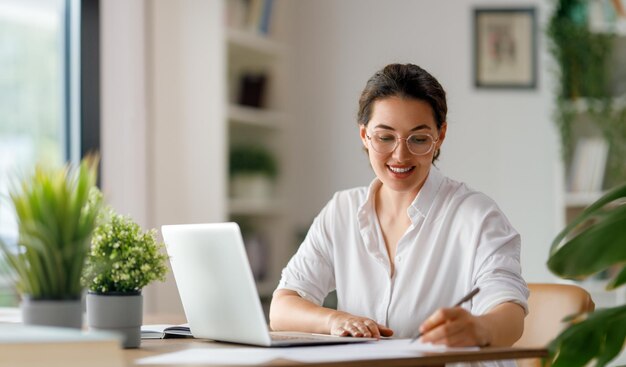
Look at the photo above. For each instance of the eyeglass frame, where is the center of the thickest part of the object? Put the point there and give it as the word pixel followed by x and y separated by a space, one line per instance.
pixel 406 141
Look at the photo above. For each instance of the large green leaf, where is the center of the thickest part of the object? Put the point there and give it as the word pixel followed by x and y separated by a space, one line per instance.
pixel 594 241
pixel 599 337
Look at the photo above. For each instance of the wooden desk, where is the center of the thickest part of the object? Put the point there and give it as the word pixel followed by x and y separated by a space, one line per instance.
pixel 156 347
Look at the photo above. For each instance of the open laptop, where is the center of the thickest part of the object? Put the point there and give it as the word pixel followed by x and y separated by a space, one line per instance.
pixel 217 288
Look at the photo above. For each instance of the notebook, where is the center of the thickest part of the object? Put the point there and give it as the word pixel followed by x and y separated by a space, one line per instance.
pixel 217 288
pixel 165 331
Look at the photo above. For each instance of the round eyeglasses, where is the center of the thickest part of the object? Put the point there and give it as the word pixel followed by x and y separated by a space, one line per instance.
pixel 386 142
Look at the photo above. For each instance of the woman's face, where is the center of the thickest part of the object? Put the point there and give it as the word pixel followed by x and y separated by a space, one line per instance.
pixel 392 118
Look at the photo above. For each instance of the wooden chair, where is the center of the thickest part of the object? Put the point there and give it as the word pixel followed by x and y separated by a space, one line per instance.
pixel 548 304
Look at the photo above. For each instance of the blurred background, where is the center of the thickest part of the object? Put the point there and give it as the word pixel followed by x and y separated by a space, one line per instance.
pixel 245 110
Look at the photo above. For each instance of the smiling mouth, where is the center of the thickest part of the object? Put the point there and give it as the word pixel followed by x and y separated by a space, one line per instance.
pixel 401 170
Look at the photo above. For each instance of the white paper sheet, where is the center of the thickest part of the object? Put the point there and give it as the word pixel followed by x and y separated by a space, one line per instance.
pixel 383 349
pixel 237 356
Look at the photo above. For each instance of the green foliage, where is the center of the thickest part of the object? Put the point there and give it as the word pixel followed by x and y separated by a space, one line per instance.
pixel 252 159
pixel 55 221
pixel 600 336
pixel 596 240
pixel 582 64
pixel 123 258
pixel 582 55
pixel 593 242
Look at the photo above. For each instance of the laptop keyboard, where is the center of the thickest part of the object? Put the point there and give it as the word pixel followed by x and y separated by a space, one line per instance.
pixel 281 337
pixel 295 338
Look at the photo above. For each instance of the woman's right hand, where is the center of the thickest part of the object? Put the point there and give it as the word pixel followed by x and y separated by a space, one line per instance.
pixel 345 324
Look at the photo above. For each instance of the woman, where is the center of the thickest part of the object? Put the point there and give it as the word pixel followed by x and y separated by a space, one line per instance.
pixel 412 243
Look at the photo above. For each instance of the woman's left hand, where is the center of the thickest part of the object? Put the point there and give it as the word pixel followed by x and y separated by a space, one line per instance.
pixel 455 327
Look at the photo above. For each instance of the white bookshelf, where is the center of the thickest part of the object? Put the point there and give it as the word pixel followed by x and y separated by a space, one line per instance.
pixel 266 288
pixel 255 117
pixel 581 199
pixel 617 27
pixel 604 17
pixel 267 207
pixel 247 41
pixel 584 105
pixel 248 51
pixel 602 297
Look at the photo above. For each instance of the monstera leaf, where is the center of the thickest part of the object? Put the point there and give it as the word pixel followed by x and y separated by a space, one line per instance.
pixel 593 242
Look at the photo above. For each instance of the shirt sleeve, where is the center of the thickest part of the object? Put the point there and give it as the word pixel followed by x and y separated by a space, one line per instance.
pixel 497 269
pixel 310 271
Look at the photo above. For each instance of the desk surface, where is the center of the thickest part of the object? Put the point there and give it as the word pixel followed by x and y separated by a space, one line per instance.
pixel 155 347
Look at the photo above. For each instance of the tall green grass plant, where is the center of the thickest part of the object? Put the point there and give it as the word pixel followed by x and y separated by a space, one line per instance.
pixel 56 214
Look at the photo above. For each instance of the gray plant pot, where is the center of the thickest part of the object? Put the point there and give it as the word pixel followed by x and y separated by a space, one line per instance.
pixel 65 313
pixel 117 312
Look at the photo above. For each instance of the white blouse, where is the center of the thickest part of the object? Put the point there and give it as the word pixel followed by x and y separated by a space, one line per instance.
pixel 458 239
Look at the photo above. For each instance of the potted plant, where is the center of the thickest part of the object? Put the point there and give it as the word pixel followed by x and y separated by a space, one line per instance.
pixel 55 219
pixel 587 66
pixel 595 241
pixel 123 259
pixel 252 170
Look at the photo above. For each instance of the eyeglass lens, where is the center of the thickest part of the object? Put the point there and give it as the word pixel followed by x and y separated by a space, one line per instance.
pixel 418 144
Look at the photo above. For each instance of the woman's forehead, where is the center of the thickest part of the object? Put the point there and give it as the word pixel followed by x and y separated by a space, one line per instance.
pixel 385 127
pixel 395 113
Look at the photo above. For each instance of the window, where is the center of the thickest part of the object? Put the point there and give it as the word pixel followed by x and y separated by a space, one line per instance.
pixel 45 112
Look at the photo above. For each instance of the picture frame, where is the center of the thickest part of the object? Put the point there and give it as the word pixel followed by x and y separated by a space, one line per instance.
pixel 505 48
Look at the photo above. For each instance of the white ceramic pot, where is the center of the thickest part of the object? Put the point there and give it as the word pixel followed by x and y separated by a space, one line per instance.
pixel 61 313
pixel 251 186
pixel 118 312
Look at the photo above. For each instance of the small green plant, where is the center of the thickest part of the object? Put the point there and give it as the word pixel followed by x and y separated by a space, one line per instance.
pixel 252 159
pixel 55 218
pixel 123 258
pixel 593 242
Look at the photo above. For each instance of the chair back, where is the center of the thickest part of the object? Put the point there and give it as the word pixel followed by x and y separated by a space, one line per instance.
pixel 548 305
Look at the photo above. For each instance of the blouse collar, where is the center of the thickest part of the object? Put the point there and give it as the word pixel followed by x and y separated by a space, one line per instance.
pixel 420 205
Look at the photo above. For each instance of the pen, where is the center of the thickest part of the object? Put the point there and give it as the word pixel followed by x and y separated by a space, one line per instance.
pixel 465 298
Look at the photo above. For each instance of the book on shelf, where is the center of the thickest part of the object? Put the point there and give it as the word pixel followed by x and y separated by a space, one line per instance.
pixel 266 15
pixel 165 331
pixel 251 15
pixel 34 346
pixel 588 165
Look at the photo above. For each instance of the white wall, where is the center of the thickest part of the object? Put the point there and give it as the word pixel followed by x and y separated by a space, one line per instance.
pixel 163 104
pixel 500 142
pixel 124 107
pixel 162 153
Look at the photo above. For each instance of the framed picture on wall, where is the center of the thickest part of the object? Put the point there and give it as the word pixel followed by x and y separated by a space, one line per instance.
pixel 505 48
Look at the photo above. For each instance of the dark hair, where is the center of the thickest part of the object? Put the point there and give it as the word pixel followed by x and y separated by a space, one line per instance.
pixel 405 81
